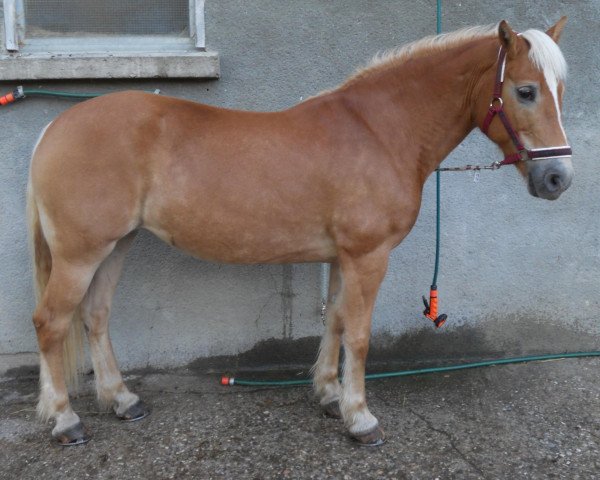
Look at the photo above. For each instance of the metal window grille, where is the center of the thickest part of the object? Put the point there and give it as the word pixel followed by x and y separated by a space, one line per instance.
pixel 103 25
pixel 107 17
pixel 60 39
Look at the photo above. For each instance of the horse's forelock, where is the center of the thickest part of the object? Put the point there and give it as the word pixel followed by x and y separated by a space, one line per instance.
pixel 545 54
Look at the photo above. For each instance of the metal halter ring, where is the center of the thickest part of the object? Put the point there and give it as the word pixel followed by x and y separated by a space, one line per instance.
pixel 500 103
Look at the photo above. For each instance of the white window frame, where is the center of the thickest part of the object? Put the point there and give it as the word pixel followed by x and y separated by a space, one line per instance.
pixel 123 56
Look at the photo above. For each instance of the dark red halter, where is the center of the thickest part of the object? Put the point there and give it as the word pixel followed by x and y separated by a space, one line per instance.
pixel 497 108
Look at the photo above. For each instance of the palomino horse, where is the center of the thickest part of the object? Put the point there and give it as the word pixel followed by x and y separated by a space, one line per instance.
pixel 337 178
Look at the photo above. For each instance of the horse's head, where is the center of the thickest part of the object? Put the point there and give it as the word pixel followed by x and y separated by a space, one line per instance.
pixel 528 106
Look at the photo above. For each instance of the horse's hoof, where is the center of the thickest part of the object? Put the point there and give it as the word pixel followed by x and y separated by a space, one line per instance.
pixel 374 438
pixel 332 409
pixel 136 412
pixel 75 435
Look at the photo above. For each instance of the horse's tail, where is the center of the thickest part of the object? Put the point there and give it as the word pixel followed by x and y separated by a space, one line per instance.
pixel 42 266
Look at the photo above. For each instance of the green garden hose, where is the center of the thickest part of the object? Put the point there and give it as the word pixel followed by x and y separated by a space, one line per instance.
pixel 20 92
pixel 407 373
pixel 51 93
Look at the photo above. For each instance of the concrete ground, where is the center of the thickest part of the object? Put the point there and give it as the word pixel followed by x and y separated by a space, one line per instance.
pixel 536 420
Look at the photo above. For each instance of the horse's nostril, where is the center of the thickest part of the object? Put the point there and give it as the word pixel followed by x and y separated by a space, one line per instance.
pixel 554 181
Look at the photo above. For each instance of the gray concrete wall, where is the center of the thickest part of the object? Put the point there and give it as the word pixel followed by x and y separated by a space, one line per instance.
pixel 518 275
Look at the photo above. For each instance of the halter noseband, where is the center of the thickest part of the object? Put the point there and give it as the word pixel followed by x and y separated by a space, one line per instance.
pixel 497 108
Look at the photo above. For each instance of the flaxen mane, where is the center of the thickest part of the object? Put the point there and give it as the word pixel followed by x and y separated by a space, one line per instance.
pixel 544 52
pixel 423 47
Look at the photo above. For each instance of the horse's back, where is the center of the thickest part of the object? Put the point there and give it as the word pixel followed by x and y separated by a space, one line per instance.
pixel 224 185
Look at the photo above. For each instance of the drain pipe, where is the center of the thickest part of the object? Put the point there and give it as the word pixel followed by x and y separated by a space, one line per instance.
pixel 324 289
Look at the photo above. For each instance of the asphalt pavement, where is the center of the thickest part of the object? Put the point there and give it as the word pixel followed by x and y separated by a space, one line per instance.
pixel 537 420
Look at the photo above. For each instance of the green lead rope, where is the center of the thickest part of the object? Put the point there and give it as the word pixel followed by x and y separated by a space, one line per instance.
pixel 431 306
pixel 437 177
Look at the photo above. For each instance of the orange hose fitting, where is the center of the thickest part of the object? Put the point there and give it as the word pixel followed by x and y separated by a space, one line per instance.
pixel 431 308
pixel 6 99
pixel 11 97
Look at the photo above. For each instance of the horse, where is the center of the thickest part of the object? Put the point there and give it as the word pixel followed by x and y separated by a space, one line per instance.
pixel 337 178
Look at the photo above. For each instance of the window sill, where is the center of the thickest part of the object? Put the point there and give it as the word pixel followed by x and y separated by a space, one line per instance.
pixel 47 66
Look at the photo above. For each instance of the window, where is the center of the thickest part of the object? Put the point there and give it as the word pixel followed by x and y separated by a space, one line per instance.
pixel 105 39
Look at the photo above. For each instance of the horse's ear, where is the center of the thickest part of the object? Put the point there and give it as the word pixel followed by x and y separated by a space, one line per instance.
pixel 555 31
pixel 508 38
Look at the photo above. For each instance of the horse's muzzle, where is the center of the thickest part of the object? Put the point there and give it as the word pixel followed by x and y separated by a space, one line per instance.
pixel 551 180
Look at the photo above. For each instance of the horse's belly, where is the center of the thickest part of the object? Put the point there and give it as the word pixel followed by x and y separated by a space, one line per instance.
pixel 231 242
pixel 253 209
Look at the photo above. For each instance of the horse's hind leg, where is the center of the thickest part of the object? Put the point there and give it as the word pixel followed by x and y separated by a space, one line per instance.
pixel 326 383
pixel 52 318
pixel 95 312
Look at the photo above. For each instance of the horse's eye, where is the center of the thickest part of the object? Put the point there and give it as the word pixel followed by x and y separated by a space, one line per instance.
pixel 526 94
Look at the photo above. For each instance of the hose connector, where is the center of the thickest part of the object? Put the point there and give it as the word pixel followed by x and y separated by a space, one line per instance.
pixel 431 308
pixel 227 381
pixel 13 96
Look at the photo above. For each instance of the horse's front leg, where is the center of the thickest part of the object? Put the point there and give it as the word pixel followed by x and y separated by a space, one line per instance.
pixel 326 369
pixel 361 277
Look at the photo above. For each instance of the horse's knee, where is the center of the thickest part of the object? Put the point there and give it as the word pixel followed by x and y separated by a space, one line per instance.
pixel 49 328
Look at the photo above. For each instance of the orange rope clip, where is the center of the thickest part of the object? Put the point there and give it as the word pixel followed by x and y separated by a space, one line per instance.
pixel 431 308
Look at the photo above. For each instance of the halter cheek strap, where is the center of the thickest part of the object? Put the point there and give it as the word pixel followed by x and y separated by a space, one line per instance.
pixel 497 108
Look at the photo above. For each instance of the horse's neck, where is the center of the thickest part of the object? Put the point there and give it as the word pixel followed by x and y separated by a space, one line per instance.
pixel 423 108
